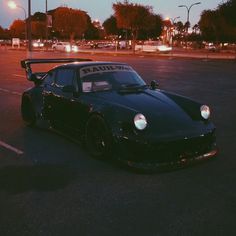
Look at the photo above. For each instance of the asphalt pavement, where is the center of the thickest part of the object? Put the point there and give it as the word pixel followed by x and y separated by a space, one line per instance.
pixel 49 185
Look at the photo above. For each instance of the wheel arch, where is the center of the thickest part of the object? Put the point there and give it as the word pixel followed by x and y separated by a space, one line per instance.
pixel 33 97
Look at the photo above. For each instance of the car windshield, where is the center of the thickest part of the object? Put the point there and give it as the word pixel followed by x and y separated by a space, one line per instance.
pixel 117 79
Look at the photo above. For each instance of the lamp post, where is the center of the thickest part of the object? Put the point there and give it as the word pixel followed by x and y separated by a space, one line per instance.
pixel 29 28
pixel 13 5
pixel 46 33
pixel 188 11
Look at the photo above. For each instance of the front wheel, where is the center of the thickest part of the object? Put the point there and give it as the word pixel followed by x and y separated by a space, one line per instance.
pixel 98 138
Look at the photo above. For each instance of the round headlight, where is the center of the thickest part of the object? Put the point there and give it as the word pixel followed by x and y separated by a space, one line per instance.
pixel 140 122
pixel 205 112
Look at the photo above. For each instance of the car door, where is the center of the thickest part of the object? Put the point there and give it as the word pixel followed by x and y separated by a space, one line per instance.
pixel 64 102
pixel 47 95
pixel 60 97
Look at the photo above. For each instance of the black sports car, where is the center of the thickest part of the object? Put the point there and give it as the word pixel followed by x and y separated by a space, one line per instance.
pixel 109 107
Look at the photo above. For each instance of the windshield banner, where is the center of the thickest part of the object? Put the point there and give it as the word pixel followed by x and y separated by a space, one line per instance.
pixel 88 70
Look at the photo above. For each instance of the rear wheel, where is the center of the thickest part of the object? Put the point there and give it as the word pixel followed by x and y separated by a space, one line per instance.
pixel 98 138
pixel 28 112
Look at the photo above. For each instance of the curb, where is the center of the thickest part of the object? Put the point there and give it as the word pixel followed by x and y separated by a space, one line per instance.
pixel 171 55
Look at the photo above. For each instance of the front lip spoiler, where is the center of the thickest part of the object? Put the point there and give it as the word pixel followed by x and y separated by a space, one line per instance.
pixel 182 162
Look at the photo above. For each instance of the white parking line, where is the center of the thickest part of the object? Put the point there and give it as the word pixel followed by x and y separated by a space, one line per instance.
pixel 5 90
pixel 16 93
pixel 22 76
pixel 11 148
pixel 11 92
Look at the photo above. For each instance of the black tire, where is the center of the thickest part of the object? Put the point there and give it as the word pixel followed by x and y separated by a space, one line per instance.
pixel 28 112
pixel 98 138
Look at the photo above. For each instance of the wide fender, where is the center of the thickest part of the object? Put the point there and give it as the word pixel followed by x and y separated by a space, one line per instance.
pixel 190 106
pixel 119 119
pixel 34 95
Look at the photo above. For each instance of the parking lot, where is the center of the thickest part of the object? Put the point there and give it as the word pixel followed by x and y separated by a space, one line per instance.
pixel 49 185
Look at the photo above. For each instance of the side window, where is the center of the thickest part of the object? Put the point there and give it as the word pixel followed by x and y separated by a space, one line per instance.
pixel 65 77
pixel 49 78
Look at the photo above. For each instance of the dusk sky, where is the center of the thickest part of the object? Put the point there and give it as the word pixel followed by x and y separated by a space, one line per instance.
pixel 102 9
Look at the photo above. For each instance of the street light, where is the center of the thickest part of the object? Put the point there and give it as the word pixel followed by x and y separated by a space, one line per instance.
pixel 13 5
pixel 188 11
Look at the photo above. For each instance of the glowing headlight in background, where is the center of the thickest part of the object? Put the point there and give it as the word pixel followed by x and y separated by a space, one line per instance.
pixel 205 111
pixel 75 49
pixel 68 48
pixel 140 122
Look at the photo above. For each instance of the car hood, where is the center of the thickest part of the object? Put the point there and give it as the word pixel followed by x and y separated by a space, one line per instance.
pixel 162 113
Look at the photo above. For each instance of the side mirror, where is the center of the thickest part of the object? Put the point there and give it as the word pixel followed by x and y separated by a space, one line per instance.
pixel 69 89
pixel 154 85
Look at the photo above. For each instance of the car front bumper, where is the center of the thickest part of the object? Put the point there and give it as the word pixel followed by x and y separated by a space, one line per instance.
pixel 175 164
pixel 168 153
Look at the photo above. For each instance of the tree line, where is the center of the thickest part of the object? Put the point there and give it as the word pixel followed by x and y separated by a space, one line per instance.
pixel 219 25
pixel 129 21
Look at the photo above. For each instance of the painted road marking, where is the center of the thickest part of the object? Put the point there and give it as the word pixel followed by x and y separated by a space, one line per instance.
pixel 22 76
pixel 16 93
pixel 11 148
pixel 4 90
pixel 11 92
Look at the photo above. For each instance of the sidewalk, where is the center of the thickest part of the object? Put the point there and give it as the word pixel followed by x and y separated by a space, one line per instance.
pixel 174 54
pixel 197 54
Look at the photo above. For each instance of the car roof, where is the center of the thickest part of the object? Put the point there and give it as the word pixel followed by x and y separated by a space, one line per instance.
pixel 88 63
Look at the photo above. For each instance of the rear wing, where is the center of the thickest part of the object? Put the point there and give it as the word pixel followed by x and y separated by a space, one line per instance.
pixel 26 64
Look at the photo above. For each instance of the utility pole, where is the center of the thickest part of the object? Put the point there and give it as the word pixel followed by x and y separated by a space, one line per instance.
pixel 188 12
pixel 46 33
pixel 29 27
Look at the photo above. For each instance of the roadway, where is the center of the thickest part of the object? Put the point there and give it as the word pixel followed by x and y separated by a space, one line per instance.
pixel 49 185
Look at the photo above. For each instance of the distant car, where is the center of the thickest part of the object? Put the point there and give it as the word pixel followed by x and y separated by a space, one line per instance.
pixel 153 47
pixel 109 107
pixel 211 47
pixel 65 47
pixel 37 44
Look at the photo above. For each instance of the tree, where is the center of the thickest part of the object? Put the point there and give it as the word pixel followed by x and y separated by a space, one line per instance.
pixel 179 26
pixel 70 22
pixel 133 17
pixel 196 28
pixel 228 20
pixel 39 16
pixel 227 10
pixel 219 25
pixel 154 28
pixel 112 31
pixel 1 32
pixel 110 26
pixel 38 25
pixel 38 29
pixel 208 25
pixel 94 30
pixel 4 34
pixel 17 29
